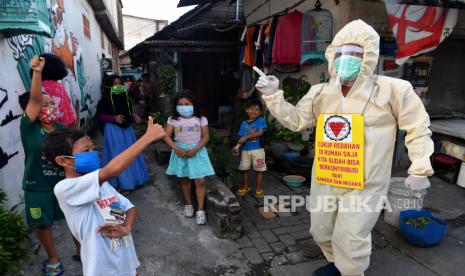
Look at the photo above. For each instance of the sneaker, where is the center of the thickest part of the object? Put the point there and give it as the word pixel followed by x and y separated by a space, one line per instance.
pixel 327 270
pixel 188 211
pixel 201 217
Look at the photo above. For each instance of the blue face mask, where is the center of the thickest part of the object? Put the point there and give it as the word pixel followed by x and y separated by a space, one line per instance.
pixel 185 110
pixel 86 162
pixel 348 67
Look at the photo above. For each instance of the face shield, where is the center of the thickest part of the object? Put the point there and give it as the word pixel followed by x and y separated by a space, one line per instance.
pixel 348 61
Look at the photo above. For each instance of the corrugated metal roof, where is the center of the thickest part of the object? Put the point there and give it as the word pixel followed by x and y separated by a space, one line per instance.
pixel 194 43
pixel 184 3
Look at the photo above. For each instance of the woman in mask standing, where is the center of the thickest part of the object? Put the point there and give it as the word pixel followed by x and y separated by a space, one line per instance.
pixel 189 158
pixel 115 110
pixel 42 209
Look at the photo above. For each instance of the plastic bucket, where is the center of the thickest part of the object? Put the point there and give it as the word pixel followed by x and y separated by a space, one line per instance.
pixel 461 177
pixel 400 198
pixel 294 180
pixel 430 234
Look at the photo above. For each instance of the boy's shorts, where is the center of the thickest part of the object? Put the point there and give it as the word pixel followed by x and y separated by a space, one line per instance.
pixel 41 208
pixel 253 157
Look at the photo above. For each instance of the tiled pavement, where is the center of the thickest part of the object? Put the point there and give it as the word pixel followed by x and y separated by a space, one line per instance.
pixel 284 246
pixel 284 239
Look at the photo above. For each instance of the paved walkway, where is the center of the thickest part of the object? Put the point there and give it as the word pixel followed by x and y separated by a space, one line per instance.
pixel 283 245
pixel 169 244
pixel 166 242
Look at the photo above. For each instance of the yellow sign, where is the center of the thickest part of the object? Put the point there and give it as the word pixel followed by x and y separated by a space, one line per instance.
pixel 339 150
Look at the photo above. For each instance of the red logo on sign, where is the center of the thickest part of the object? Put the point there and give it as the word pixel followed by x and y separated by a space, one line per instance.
pixel 337 128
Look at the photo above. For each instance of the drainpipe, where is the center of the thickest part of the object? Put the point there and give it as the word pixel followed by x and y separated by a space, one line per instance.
pixel 237 10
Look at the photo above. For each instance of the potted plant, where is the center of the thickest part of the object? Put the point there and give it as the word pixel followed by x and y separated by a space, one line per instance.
pixel 162 150
pixel 220 156
pixel 13 237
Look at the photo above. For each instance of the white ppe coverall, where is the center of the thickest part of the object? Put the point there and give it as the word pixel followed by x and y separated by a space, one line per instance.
pixel 345 237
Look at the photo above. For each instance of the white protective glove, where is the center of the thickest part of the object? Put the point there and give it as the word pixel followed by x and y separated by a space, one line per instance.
pixel 417 183
pixel 267 85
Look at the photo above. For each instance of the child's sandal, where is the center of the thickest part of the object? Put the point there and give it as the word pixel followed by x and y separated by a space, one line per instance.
pixel 243 191
pixel 52 269
pixel 259 194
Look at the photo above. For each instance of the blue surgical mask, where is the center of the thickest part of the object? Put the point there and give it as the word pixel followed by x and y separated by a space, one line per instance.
pixel 185 110
pixel 86 162
pixel 348 67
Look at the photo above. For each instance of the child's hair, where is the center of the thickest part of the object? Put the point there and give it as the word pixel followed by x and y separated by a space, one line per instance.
pixel 254 102
pixel 54 68
pixel 60 142
pixel 188 95
pixel 24 100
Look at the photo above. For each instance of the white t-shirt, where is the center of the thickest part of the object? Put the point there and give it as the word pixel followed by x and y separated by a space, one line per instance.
pixel 88 205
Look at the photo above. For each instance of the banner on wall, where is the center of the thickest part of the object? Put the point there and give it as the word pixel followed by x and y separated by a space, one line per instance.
pixel 419 29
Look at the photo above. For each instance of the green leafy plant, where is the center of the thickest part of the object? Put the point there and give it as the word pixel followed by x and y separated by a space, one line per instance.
pixel 295 89
pixel 220 155
pixel 166 80
pixel 418 223
pixel 158 118
pixel 13 237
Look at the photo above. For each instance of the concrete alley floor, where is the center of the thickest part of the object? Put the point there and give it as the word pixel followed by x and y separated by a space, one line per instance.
pixel 169 244
pixel 166 242
pixel 284 246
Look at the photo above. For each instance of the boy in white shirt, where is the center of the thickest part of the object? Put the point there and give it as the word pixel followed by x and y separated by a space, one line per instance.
pixel 99 217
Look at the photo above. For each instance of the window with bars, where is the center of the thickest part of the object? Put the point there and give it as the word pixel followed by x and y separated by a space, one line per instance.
pixel 86 25
pixel 102 39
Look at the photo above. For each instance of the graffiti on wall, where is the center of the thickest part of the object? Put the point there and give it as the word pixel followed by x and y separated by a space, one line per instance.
pixel 65 45
pixel 81 83
pixel 5 157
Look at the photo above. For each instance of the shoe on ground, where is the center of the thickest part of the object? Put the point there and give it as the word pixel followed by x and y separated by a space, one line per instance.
pixel 188 211
pixel 201 218
pixel 327 270
pixel 259 194
pixel 243 191
pixel 52 269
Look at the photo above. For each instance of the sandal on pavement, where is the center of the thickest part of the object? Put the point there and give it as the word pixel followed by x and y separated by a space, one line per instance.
pixel 259 194
pixel 52 269
pixel 243 191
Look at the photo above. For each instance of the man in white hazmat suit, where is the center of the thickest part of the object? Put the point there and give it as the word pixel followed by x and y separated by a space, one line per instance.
pixel 384 104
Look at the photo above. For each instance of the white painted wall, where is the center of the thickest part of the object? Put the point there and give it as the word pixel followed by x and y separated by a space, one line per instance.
pixel 137 29
pixel 84 89
pixel 112 8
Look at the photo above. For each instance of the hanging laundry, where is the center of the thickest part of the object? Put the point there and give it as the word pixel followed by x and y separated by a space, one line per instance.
pixel 419 29
pixel 249 47
pixel 259 46
pixel 270 32
pixel 287 46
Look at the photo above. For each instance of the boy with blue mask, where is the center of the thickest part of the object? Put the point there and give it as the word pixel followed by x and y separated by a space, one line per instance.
pixel 99 217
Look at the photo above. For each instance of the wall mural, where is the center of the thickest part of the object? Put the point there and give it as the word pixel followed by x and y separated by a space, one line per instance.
pixel 82 82
pixel 5 157
pixel 65 45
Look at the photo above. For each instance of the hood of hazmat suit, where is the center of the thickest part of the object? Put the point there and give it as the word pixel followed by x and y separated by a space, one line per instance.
pixel 386 104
